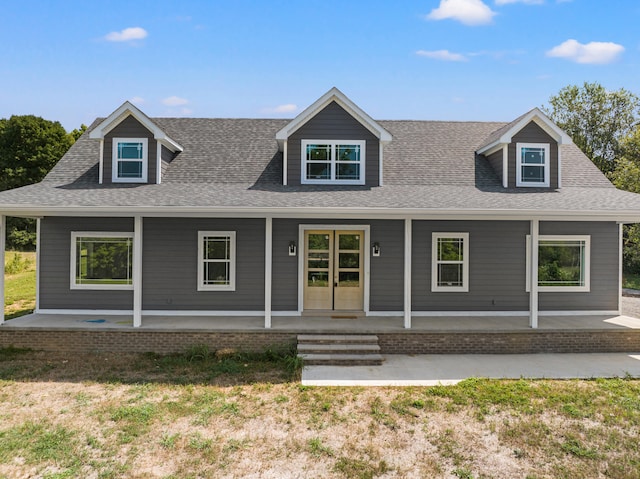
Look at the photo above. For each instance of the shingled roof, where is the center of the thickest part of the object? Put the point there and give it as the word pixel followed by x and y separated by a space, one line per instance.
pixel 229 165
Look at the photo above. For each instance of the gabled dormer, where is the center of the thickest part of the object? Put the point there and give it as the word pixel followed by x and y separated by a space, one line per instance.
pixel 332 142
pixel 526 153
pixel 133 149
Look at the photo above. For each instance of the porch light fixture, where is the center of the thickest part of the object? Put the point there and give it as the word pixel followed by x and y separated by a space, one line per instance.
pixel 375 250
pixel 292 248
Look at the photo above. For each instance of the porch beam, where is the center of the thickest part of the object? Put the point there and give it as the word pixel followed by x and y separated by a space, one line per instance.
pixel 533 261
pixel 137 272
pixel 3 235
pixel 407 272
pixel 268 267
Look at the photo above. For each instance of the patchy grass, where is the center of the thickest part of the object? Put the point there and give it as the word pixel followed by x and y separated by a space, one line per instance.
pixel 20 284
pixel 195 415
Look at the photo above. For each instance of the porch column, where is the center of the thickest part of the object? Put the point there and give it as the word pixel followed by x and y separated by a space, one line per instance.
pixel 137 272
pixel 407 272
pixel 268 261
pixel 3 235
pixel 37 265
pixel 533 279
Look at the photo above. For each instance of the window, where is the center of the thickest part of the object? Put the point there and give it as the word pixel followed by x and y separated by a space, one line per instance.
pixel 450 262
pixel 533 166
pixel 216 260
pixel 129 160
pixel 101 260
pixel 330 162
pixel 563 263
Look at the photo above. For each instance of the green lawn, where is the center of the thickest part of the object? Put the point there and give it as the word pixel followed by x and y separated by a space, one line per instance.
pixel 20 285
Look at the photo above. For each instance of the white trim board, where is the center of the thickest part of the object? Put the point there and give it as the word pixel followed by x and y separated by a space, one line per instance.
pixel 153 312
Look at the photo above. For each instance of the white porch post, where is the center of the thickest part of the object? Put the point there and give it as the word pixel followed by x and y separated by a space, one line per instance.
pixel 137 272
pixel 533 261
pixel 407 272
pixel 3 235
pixel 620 248
pixel 37 265
pixel 268 261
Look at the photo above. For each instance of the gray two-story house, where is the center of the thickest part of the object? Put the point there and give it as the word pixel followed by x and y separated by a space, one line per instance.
pixel 331 213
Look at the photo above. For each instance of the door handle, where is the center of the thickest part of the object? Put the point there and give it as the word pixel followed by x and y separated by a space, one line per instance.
pixel 335 285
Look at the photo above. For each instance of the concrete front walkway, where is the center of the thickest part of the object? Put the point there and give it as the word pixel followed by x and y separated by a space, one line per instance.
pixel 431 370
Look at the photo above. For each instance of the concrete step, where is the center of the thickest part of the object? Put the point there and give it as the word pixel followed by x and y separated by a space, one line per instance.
pixel 342 359
pixel 340 348
pixel 337 338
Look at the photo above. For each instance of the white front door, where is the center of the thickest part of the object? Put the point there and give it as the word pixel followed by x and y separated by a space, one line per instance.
pixel 333 272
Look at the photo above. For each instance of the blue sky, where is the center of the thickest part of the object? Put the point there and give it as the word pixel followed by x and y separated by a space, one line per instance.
pixel 432 59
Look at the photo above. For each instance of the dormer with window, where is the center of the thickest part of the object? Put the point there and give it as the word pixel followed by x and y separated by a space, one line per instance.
pixel 133 149
pixel 333 142
pixel 526 153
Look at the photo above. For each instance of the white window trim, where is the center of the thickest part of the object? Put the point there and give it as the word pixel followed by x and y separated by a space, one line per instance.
pixel 96 234
pixel 333 143
pixel 232 262
pixel 434 263
pixel 114 160
pixel 587 264
pixel 546 164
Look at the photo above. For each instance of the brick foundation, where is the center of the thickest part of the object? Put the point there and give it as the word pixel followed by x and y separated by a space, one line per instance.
pixel 409 342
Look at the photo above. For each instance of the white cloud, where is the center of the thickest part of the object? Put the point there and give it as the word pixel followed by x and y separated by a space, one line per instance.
pixel 127 35
pixel 444 55
pixel 286 108
pixel 174 101
pixel 138 100
pixel 593 52
pixel 528 2
pixel 469 12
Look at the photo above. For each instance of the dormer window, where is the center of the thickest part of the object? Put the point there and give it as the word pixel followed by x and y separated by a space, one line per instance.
pixel 130 160
pixel 532 168
pixel 333 162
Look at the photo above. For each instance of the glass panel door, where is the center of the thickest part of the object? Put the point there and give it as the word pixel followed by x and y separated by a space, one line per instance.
pixel 333 270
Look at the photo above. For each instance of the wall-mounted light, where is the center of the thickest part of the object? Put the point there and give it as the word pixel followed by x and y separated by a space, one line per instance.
pixel 292 248
pixel 375 249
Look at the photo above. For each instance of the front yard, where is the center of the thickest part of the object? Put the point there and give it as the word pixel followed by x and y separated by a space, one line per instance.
pixel 229 415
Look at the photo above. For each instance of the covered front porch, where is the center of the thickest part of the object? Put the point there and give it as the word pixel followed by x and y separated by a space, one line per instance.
pixel 356 325
pixel 428 335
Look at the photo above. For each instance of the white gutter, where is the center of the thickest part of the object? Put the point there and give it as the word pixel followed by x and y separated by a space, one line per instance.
pixel 628 216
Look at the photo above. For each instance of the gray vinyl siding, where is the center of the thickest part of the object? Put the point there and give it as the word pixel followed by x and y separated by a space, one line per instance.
pixel 532 133
pixel 170 265
pixel 284 292
pixel 166 157
pixel 55 265
pixel 495 160
pixel 497 274
pixel 129 128
pixel 333 123
pixel 387 271
pixel 604 292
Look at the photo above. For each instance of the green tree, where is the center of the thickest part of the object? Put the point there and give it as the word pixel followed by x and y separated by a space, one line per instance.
pixel 29 147
pixel 596 119
pixel 626 176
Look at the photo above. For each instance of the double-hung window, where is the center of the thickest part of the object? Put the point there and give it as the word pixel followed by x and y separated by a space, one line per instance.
pixel 563 263
pixel 130 160
pixel 333 162
pixel 450 262
pixel 101 260
pixel 533 164
pixel 216 261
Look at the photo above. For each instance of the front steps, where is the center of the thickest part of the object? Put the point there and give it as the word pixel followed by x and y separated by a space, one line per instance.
pixel 339 350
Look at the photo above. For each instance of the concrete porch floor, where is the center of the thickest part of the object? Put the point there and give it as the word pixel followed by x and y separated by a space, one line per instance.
pixel 370 324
